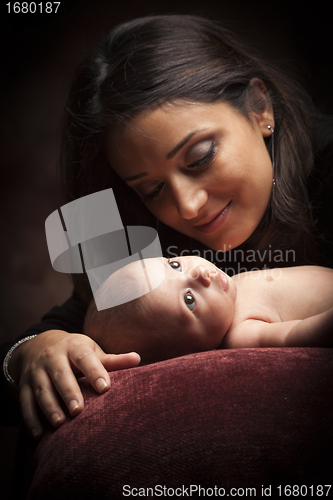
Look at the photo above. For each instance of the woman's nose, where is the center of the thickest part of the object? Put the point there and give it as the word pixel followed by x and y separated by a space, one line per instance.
pixel 189 199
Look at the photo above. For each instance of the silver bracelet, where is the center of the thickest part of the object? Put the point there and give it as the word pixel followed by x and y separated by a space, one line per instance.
pixel 8 357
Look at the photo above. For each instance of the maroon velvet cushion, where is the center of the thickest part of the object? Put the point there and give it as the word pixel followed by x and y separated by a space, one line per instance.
pixel 232 419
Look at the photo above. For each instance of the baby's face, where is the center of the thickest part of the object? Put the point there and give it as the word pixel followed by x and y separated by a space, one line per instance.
pixel 195 300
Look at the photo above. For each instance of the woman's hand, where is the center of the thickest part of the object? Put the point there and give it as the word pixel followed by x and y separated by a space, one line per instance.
pixel 45 367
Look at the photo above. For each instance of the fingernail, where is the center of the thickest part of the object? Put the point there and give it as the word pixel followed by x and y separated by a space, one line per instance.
pixel 73 405
pixel 55 418
pixel 100 384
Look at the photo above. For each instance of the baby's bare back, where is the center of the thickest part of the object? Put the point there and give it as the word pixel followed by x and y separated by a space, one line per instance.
pixel 275 295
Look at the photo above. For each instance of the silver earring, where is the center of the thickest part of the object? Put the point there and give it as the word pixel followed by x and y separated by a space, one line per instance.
pixel 273 160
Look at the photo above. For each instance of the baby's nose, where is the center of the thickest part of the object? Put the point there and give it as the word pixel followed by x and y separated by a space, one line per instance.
pixel 202 275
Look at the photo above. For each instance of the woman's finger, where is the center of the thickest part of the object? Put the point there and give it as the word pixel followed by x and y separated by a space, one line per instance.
pixel 49 376
pixel 64 381
pixel 113 362
pixel 29 411
pixel 86 360
pixel 47 399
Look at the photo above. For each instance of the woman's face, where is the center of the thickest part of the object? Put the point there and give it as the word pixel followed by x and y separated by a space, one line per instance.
pixel 202 169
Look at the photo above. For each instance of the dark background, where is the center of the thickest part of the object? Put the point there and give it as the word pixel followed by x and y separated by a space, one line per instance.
pixel 38 57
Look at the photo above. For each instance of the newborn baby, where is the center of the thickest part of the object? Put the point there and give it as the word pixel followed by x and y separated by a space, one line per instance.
pixel 197 307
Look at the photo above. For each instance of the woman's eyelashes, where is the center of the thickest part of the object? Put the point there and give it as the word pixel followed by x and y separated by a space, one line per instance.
pixel 189 300
pixel 155 193
pixel 205 159
pixel 200 164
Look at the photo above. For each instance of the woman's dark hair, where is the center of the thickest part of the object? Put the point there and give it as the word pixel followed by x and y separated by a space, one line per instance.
pixel 157 59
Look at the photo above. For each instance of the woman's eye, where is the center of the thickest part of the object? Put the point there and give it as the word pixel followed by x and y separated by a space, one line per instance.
pixel 189 300
pixel 205 159
pixel 175 265
pixel 155 193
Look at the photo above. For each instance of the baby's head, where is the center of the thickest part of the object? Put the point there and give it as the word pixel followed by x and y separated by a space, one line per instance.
pixel 190 311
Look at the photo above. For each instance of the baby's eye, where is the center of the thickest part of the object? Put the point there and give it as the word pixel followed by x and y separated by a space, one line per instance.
pixel 175 265
pixel 189 300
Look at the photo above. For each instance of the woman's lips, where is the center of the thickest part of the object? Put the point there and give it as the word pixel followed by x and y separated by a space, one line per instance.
pixel 216 222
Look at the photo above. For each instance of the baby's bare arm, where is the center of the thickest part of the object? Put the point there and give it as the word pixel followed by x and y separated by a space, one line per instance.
pixel 315 331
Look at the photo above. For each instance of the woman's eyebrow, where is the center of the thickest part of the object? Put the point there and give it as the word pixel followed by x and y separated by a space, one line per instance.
pixel 182 143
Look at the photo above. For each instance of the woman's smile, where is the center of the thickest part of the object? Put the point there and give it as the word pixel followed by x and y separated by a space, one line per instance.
pixel 214 223
pixel 202 169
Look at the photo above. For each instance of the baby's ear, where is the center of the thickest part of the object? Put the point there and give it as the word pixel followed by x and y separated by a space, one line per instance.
pixel 260 105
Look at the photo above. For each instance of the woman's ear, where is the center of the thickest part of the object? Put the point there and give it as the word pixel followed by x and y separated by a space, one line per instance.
pixel 260 105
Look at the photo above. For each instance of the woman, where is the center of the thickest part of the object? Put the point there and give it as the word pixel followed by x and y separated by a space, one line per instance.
pixel 199 138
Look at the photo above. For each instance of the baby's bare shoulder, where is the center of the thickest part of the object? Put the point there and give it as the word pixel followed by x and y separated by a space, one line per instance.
pixel 243 334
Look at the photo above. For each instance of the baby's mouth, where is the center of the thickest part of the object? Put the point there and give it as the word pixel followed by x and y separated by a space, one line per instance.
pixel 224 280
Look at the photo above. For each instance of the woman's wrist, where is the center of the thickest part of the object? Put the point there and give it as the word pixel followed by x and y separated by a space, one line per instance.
pixel 11 362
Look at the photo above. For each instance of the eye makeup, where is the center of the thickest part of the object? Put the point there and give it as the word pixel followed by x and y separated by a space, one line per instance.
pixel 154 194
pixel 205 159
pixel 200 164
